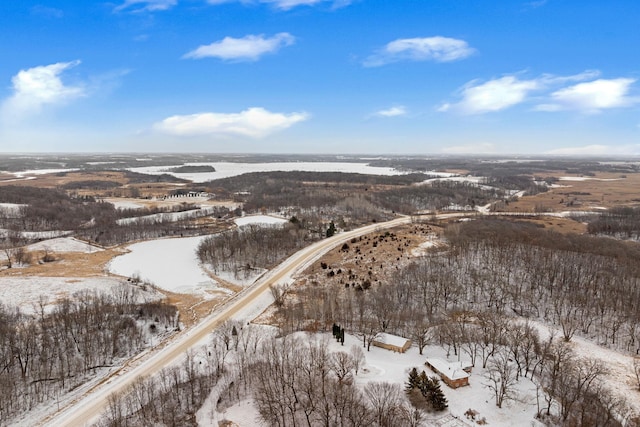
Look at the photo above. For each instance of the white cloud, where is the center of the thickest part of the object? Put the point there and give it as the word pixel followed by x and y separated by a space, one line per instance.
pixel 39 86
pixel 287 4
pixel 494 95
pixel 392 112
pixel 439 49
pixel 536 4
pixel 254 122
pixel 146 5
pixel 587 96
pixel 247 48
pixel 592 97
pixel 480 148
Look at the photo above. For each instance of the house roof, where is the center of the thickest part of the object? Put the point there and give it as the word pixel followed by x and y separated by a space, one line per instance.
pixel 453 370
pixel 395 340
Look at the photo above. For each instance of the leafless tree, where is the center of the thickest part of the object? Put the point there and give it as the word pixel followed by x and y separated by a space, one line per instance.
pixel 385 400
pixel 502 375
pixel 341 364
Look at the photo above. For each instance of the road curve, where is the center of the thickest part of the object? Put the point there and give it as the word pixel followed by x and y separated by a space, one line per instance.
pixel 87 408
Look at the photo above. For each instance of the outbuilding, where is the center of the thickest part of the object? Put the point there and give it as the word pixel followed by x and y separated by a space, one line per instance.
pixel 392 342
pixel 453 374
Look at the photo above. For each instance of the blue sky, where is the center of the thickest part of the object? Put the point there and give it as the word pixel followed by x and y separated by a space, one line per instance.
pixel 321 76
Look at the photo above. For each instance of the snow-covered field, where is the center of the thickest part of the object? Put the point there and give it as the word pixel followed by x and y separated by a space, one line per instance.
pixel 33 235
pixel 64 244
pixel 26 292
pixel 11 208
pixel 170 264
pixel 168 216
pixel 259 220
pixel 228 169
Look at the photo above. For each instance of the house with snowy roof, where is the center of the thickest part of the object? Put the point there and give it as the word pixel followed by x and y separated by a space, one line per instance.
pixel 392 342
pixel 454 374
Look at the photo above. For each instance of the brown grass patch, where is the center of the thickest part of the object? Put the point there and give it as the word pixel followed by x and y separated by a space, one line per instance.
pixel 67 264
pixel 583 195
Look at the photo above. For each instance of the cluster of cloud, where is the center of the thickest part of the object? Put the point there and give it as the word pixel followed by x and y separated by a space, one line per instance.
pixel 145 5
pixel 590 95
pixel 253 122
pixel 36 87
pixel 247 48
pixel 286 4
pixel 438 48
pixel 395 111
pixel 160 5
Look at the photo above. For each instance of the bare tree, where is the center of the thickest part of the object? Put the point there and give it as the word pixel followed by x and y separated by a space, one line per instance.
pixel 385 400
pixel 502 376
pixel 357 355
pixel 341 364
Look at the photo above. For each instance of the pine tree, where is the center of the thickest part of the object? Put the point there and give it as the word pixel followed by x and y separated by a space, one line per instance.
pixel 414 381
pixel 430 388
pixel 437 398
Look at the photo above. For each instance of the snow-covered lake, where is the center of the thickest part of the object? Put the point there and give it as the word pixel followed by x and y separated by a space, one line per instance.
pixel 229 169
pixel 170 264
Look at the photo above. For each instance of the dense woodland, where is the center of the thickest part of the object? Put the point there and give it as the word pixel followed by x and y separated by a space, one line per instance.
pixel 621 223
pixel 483 296
pixel 42 357
pixel 243 250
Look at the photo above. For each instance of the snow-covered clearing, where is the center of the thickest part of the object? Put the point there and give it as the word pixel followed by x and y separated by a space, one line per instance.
pixel 259 220
pixel 64 244
pixel 29 173
pixel 229 169
pixel 170 264
pixel 125 204
pixel 59 245
pixel 26 292
pixel 11 208
pixel 386 366
pixel 168 216
pixel 34 235
pixel 432 242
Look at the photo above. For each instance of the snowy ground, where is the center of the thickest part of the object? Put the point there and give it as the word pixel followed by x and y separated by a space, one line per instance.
pixel 26 292
pixel 64 244
pixel 170 264
pixel 167 216
pixel 59 245
pixel 259 220
pixel 386 366
pixel 34 235
pixel 228 169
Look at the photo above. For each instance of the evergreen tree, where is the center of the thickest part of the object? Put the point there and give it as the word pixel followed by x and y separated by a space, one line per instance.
pixel 430 388
pixel 438 400
pixel 414 381
pixel 331 230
